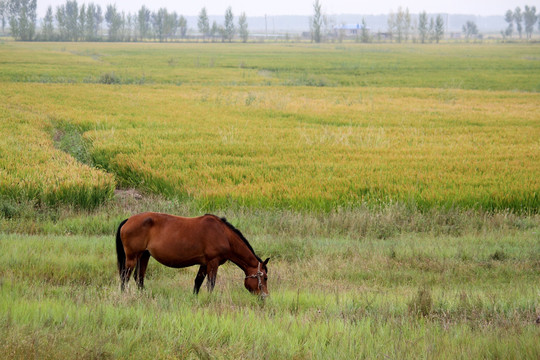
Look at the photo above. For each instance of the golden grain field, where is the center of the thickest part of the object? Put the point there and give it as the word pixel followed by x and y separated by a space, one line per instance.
pixel 294 147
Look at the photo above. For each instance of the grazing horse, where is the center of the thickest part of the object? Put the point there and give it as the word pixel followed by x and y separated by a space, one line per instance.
pixel 174 241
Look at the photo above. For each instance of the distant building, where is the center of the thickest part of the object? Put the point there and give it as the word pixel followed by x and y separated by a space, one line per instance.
pixel 349 29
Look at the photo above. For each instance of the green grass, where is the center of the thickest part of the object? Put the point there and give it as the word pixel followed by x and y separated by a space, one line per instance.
pixel 461 66
pixel 342 298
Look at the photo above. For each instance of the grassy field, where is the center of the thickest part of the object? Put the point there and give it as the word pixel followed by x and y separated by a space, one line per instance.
pixel 396 189
pixel 407 297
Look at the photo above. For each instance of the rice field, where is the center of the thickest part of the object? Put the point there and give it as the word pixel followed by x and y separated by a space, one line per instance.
pixel 223 144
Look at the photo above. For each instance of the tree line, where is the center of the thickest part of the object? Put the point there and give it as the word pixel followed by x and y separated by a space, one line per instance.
pixel 73 22
pixel 519 18
pixel 400 29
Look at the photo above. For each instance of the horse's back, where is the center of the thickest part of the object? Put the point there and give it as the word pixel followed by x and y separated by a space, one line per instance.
pixel 174 240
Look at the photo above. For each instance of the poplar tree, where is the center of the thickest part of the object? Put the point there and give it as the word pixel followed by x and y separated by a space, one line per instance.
pixel 518 18
pixel 143 22
pixel 315 23
pixel 182 26
pixel 530 18
pixel 203 23
pixel 509 18
pixel 243 27
pixel 439 28
pixel 48 25
pixel 229 29
pixel 423 26
pixel 3 14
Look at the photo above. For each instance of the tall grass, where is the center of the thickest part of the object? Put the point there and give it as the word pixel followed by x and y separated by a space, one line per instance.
pixel 343 299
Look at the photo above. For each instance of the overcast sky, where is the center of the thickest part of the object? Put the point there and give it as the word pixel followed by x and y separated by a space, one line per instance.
pixel 305 7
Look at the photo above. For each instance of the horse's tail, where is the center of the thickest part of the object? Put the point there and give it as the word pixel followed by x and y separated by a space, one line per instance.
pixel 120 253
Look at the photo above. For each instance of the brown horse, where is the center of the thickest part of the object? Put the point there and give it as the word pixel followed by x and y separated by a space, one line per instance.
pixel 174 241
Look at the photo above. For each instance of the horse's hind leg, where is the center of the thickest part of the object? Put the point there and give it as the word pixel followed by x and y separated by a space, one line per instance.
pixel 124 277
pixel 212 268
pixel 199 279
pixel 131 262
pixel 140 269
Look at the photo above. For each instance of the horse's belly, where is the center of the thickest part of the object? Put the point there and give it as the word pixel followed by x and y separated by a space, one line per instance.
pixel 177 256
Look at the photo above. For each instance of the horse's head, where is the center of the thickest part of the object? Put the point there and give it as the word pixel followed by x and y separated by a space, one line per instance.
pixel 256 283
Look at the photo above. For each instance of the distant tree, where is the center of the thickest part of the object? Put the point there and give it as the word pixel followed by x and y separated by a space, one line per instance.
pixel 509 18
pixel 530 18
pixel 203 23
pixel 431 29
pixel 407 24
pixel 439 28
pixel 402 24
pixel 470 29
pixel 214 30
pixel 364 37
pixel 171 25
pixel 60 16
pixel 182 26
pixel 423 27
pixel 230 29
pixel 518 18
pixel 91 25
pixel 222 33
pixel 399 24
pixel 316 22
pixel 143 22
pixel 129 30
pixel 72 20
pixel 158 23
pixel 81 21
pixel 391 22
pixel 98 17
pixel 22 18
pixel 47 28
pixel 114 22
pixel 243 27
pixel 3 14
pixel 123 33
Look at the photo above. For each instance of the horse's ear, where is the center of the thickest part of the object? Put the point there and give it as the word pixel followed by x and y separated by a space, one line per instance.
pixel 266 261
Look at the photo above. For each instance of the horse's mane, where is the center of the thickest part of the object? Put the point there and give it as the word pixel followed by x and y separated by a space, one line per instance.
pixel 240 235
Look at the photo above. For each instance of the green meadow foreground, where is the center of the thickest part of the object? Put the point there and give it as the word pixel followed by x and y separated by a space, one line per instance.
pixel 395 188
pixel 408 297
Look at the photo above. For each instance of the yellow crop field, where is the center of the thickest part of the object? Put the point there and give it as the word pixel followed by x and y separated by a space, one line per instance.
pixel 304 147
pixel 32 169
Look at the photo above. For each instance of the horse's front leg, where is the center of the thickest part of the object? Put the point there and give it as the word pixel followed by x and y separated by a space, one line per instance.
pixel 199 279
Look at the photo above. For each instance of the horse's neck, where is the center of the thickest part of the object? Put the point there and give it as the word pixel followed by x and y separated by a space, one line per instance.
pixel 241 255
